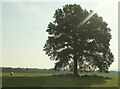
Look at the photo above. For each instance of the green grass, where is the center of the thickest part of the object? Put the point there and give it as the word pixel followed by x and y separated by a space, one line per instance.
pixel 46 80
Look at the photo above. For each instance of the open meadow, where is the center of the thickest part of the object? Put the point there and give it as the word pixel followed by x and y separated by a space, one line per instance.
pixel 47 80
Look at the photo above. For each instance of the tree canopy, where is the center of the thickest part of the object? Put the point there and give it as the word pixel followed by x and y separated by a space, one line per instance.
pixel 77 41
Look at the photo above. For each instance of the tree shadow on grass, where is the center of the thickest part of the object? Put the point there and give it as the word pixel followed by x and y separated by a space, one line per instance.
pixel 82 76
pixel 69 80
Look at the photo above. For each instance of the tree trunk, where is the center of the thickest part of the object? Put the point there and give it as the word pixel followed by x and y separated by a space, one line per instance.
pixel 75 66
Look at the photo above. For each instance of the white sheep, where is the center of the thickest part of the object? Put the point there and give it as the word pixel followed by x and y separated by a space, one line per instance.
pixel 11 73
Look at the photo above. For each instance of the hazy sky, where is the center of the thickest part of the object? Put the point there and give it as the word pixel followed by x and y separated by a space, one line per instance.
pixel 24 30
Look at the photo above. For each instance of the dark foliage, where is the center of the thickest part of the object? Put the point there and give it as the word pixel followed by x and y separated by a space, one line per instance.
pixel 78 43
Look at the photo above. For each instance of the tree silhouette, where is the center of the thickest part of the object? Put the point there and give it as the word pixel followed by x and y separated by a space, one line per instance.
pixel 78 41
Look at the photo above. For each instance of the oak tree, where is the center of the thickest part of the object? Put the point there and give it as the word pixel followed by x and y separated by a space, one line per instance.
pixel 79 40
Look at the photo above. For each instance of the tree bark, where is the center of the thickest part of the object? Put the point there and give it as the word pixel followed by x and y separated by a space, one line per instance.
pixel 75 66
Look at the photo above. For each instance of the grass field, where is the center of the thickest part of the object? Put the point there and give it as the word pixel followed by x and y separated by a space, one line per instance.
pixel 47 80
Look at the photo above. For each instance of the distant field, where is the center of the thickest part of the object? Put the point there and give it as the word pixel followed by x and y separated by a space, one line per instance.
pixel 47 80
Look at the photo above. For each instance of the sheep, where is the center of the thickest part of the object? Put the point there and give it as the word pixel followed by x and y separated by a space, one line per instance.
pixel 11 73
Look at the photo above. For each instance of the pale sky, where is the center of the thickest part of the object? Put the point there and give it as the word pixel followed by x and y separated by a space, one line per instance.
pixel 24 33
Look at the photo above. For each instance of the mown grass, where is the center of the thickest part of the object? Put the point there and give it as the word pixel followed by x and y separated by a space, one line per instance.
pixel 47 80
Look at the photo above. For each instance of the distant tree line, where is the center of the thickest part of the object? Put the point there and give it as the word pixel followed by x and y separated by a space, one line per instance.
pixel 31 70
pixel 50 71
